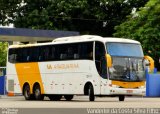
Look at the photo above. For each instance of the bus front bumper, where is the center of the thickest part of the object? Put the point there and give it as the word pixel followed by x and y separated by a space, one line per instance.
pixel 127 91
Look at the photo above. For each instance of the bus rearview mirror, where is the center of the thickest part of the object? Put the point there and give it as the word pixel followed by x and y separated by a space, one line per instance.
pixel 150 64
pixel 109 60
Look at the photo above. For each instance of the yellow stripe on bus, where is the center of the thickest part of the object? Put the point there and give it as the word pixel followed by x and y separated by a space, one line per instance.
pixel 29 72
pixel 128 84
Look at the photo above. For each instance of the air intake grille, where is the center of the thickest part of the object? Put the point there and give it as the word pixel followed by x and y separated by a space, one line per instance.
pixel 10 85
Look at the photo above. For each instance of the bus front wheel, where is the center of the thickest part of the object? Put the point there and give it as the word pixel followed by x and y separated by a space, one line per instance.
pixel 91 93
pixel 121 98
pixel 37 93
pixel 68 97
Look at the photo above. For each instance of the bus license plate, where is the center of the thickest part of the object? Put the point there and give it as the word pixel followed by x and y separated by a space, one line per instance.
pixel 129 91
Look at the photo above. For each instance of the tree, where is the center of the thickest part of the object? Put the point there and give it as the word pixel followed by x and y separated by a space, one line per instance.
pixel 86 16
pixel 144 26
pixel 3 53
pixel 7 10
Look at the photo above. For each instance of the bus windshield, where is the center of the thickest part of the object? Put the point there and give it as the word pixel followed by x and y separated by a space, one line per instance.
pixel 127 62
pixel 124 49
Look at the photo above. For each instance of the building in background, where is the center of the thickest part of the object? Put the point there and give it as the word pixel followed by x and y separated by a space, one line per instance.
pixel 17 35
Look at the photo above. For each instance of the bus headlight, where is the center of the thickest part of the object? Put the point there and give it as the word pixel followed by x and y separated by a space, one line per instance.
pixel 142 87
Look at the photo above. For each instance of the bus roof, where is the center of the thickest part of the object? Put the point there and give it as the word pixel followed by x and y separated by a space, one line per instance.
pixel 93 38
pixel 82 38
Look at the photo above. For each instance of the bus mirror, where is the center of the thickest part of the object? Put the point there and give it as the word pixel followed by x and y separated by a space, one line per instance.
pixel 150 64
pixel 109 60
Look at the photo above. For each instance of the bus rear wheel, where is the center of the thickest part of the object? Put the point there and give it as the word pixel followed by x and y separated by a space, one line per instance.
pixel 55 97
pixel 27 93
pixel 91 93
pixel 121 98
pixel 37 93
pixel 68 97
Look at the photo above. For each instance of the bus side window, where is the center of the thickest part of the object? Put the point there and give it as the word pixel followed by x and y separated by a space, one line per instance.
pixel 41 54
pixel 62 52
pixel 75 51
pixel 63 56
pixel 76 56
pixel 100 59
pixel 90 55
pixel 57 52
pixel 25 55
pixel 86 50
pixel 70 53
pixel 46 53
pixel 12 55
pixel 52 53
pixel 36 54
pixel 90 50
pixel 19 55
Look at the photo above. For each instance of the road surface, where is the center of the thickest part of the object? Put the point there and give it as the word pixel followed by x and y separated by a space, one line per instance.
pixel 81 102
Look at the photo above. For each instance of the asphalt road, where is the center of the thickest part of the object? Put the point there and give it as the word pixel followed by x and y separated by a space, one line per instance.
pixel 81 102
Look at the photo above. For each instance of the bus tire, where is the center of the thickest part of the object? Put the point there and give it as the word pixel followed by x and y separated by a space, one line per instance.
pixel 91 93
pixel 37 92
pixel 27 93
pixel 68 97
pixel 55 97
pixel 121 97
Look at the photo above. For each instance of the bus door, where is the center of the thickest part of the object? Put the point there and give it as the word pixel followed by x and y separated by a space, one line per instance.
pixel 101 66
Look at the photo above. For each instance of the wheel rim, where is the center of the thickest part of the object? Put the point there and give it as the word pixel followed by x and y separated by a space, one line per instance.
pixel 27 93
pixel 37 92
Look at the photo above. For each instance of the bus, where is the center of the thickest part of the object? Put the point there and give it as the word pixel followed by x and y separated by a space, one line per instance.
pixel 78 65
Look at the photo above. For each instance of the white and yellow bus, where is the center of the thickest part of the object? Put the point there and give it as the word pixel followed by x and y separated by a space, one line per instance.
pixel 79 65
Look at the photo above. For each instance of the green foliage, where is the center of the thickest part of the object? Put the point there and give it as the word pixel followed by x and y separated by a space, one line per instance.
pixel 3 53
pixel 7 10
pixel 144 26
pixel 86 16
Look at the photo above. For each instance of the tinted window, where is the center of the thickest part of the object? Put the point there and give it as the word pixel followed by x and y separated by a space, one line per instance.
pixel 100 59
pixel 52 52
pixel 12 55
pixel 86 50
